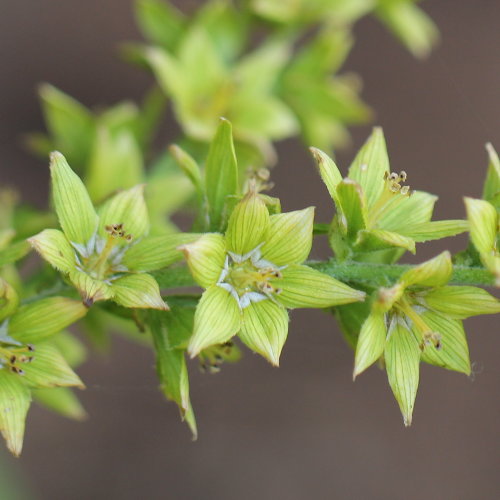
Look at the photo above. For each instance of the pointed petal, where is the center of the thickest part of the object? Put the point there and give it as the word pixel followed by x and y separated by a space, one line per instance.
pixel 61 400
pixel 50 369
pixel 55 248
pixel 15 401
pixel 90 289
pixel 289 237
pixel 156 252
pixel 264 329
pixel 369 166
pixel 328 171
pixel 454 351
pixel 460 302
pixel 428 231
pixel 217 319
pixel 434 272
pixel 352 207
pixel 9 300
pixel 492 184
pixel 205 258
pixel 127 208
pixel 138 291
pixel 371 342
pixel 247 225
pixel 483 220
pixel 74 209
pixel 302 286
pixel 41 319
pixel 402 359
pixel 378 239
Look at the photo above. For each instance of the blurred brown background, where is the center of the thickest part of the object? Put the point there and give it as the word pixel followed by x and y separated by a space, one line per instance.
pixel 305 430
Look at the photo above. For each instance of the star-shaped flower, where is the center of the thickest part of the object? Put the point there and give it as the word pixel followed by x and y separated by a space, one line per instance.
pixel 419 318
pixel 253 274
pixel 106 255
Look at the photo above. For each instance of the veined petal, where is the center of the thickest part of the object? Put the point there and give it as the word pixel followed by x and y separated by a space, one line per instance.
pixel 157 252
pixel 264 329
pixel 328 171
pixel 302 286
pixel 371 342
pixel 41 319
pixel 138 291
pixel 61 400
pixel 460 302
pixel 127 208
pixel 492 184
pixel 454 351
pixel 74 209
pixel 352 207
pixel 205 258
pixel 90 289
pixel 402 359
pixel 15 400
pixel 434 272
pixel 483 220
pixel 435 230
pixel 378 239
pixel 247 225
pixel 55 248
pixel 9 299
pixel 217 319
pixel 369 166
pixel 50 369
pixel 289 237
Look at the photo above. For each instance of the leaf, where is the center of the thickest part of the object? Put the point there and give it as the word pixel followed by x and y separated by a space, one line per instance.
pixel 15 400
pixel 221 173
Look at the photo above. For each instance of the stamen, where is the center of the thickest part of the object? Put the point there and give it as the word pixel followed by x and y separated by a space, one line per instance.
pixel 13 356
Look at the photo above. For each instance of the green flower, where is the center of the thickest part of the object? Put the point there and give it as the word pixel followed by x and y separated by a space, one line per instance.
pixel 377 215
pixel 29 359
pixel 419 318
pixel 253 274
pixel 105 255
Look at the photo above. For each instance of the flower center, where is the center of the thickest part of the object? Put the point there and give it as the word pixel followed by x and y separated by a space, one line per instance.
pixel 14 357
pixel 249 277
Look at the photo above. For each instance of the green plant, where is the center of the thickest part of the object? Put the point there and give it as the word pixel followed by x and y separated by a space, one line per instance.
pixel 118 253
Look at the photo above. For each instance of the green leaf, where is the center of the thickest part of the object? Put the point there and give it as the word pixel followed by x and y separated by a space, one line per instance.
pixel 370 165
pixel 179 322
pixel 41 319
pixel 289 237
pixel 115 163
pixel 217 319
pixel 371 342
pixel 264 329
pixel 329 172
pixel 74 209
pixel 138 290
pixel 248 224
pixel 189 166
pixel 127 208
pixel 70 124
pixel 402 359
pixel 491 187
pixel 302 286
pixel 205 258
pixel 160 22
pixel 460 302
pixel 221 173
pixel 61 400
pixel 50 369
pixel 73 350
pixel 55 248
pixel 15 401
pixel 157 252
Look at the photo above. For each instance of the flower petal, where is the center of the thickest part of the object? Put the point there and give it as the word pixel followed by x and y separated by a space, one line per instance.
pixel 352 207
pixel 371 342
pixel 74 209
pixel 492 184
pixel 61 400
pixel 138 291
pixel 328 170
pixel 289 237
pixel 127 208
pixel 46 317
pixel 302 286
pixel 205 258
pixel 402 359
pixel 55 248
pixel 483 220
pixel 9 299
pixel 247 225
pixel 379 239
pixel 15 401
pixel 435 230
pixel 90 289
pixel 454 351
pixel 460 302
pixel 434 272
pixel 156 252
pixel 217 319
pixel 264 329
